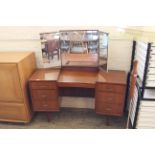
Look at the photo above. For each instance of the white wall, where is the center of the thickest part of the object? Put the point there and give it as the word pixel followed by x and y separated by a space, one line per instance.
pixel 119 56
pixel 149 28
pixel 27 39
pixel 142 33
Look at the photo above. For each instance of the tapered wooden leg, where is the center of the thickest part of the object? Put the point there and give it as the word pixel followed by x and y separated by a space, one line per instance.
pixel 107 120
pixel 48 114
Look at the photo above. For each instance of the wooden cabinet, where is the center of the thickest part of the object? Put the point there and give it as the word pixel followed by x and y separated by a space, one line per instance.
pixel 109 87
pixel 110 93
pixel 15 70
pixel 44 90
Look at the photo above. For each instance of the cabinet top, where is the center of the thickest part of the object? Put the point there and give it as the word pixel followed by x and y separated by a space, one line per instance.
pixel 13 57
pixel 113 77
pixel 76 78
pixel 45 75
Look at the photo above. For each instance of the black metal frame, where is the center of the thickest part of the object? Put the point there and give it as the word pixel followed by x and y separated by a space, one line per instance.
pixel 133 54
pixel 140 98
pixel 146 67
pixel 133 126
pixel 137 107
pixel 142 88
pixel 127 91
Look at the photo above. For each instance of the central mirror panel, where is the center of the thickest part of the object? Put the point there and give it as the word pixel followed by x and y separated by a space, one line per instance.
pixel 79 48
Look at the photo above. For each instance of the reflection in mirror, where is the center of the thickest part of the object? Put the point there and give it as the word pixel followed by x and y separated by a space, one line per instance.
pixel 103 50
pixel 50 49
pixel 75 48
pixel 79 48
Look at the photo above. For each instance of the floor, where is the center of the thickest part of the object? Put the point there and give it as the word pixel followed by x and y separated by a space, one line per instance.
pixel 69 119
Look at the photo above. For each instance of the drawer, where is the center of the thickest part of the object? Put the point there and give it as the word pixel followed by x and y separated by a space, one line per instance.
pixel 46 105
pixel 109 109
pixel 43 85
pixel 105 97
pixel 42 95
pixel 110 88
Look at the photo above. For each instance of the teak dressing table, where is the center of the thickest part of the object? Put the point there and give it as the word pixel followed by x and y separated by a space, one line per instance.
pixel 108 88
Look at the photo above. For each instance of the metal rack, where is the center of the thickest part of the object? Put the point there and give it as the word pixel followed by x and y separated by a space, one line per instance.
pixel 135 104
pixel 143 103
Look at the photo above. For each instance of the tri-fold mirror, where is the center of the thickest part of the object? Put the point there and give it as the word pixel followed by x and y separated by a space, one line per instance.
pixel 75 48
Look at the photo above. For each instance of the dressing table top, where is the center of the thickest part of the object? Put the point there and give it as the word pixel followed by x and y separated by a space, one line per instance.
pixel 45 75
pixel 79 78
pixel 112 77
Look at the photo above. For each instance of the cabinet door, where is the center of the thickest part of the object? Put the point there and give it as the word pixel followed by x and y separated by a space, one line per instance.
pixel 10 89
pixel 14 112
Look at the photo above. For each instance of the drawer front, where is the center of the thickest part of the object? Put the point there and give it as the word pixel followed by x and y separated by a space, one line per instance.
pixel 113 98
pixel 44 95
pixel 46 105
pixel 43 85
pixel 110 88
pixel 109 109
